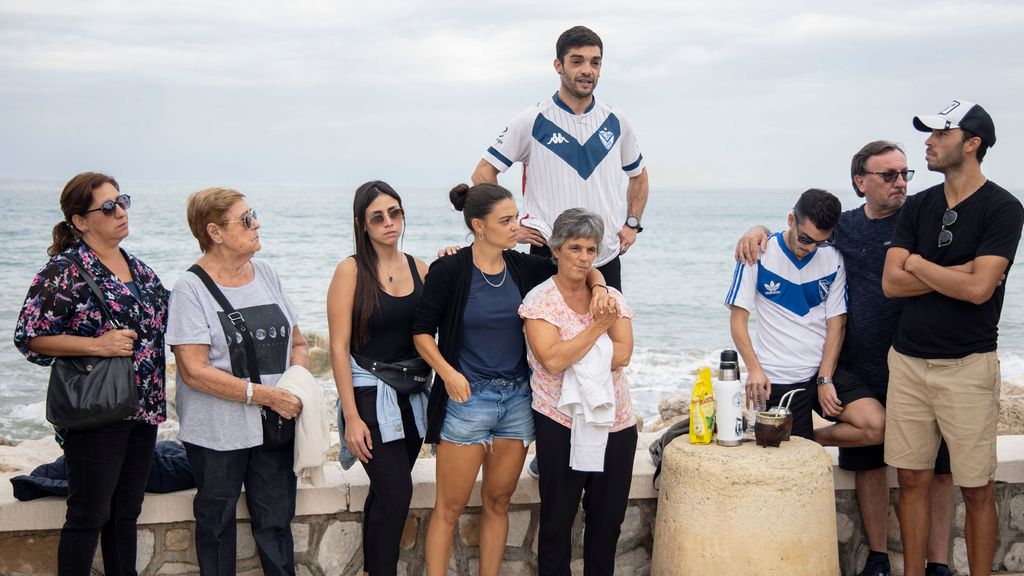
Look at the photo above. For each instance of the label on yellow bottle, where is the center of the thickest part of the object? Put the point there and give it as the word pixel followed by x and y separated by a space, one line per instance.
pixel 702 409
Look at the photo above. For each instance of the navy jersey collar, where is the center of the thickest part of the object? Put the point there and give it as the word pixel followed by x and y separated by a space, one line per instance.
pixel 792 258
pixel 564 106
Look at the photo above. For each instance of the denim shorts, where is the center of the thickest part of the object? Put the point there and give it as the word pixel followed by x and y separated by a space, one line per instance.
pixel 496 408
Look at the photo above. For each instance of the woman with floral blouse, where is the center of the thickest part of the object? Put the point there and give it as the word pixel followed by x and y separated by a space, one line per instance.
pixel 107 466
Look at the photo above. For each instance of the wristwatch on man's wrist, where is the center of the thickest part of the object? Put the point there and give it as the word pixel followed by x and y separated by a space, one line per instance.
pixel 634 223
pixel 822 380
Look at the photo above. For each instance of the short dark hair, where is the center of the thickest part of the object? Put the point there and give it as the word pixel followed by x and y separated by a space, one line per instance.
pixel 576 37
pixel 820 206
pixel 982 148
pixel 858 166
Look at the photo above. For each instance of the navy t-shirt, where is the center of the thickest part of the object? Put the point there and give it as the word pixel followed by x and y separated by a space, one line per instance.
pixel 492 338
pixel 988 224
pixel 871 318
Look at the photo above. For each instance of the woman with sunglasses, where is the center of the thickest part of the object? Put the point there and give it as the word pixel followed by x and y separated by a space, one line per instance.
pixel 107 466
pixel 371 305
pixel 234 425
pixel 479 413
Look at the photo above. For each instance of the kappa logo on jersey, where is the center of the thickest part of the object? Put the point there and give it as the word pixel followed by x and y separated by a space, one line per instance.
pixel 772 288
pixel 607 138
pixel 824 285
pixel 557 138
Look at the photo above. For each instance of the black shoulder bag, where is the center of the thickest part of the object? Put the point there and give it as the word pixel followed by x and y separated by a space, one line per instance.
pixel 277 431
pixel 91 391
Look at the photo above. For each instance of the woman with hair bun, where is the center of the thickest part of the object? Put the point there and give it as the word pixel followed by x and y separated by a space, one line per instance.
pixel 108 465
pixel 479 412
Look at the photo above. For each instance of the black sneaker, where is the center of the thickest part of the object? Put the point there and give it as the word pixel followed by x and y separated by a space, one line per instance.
pixel 937 570
pixel 534 469
pixel 876 565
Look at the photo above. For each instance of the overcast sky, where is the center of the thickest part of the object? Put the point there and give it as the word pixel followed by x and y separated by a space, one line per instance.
pixel 721 94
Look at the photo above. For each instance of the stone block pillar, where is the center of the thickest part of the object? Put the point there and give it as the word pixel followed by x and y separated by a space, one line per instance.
pixel 746 510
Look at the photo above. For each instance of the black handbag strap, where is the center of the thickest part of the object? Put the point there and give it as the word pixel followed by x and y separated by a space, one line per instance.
pixel 95 289
pixel 236 319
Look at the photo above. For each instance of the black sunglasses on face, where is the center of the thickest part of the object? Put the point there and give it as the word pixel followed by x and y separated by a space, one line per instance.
pixel 110 206
pixel 248 219
pixel 890 176
pixel 394 213
pixel 946 236
pixel 807 240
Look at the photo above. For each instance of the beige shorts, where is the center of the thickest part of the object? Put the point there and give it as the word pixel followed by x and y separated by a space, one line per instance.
pixel 957 399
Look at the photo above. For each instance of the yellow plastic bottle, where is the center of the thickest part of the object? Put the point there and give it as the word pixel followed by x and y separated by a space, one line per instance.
pixel 702 409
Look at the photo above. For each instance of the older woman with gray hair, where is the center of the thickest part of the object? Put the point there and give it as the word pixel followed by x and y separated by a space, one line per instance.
pixel 585 428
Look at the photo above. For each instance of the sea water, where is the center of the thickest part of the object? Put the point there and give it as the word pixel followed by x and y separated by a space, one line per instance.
pixel 674 278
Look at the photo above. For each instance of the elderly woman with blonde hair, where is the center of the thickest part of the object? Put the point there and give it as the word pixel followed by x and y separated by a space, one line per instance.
pixel 233 333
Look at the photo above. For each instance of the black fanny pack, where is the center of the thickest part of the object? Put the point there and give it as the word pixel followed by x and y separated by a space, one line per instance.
pixel 405 376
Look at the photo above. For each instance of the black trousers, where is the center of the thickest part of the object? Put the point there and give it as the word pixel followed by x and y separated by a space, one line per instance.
pixel 270 496
pixel 605 495
pixel 612 270
pixel 107 472
pixel 390 472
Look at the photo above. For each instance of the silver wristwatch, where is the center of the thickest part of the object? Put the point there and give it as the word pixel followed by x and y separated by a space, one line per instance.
pixel 248 392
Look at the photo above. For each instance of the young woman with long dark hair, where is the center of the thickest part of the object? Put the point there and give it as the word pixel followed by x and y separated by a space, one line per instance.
pixel 371 305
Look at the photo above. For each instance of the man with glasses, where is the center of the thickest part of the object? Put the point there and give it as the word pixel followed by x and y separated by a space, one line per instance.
pixel 879 174
pixel 798 288
pixel 953 244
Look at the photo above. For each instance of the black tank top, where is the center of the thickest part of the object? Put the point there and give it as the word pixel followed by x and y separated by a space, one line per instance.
pixel 391 323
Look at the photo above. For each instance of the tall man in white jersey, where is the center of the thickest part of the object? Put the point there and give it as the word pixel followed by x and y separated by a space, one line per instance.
pixel 574 150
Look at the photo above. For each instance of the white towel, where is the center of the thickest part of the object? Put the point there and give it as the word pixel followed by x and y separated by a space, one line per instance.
pixel 588 397
pixel 312 440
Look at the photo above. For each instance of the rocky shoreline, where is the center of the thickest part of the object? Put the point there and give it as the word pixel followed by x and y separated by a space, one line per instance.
pixel 23 457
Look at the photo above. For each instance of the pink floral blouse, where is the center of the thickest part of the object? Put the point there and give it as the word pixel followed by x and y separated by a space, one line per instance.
pixel 545 302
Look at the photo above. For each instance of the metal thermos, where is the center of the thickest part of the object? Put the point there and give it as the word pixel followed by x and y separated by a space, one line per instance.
pixel 729 400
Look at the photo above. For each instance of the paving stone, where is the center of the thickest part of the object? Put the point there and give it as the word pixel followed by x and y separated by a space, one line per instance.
pixel 177 539
pixel 178 568
pixel 518 524
pixel 410 533
pixel 340 542
pixel 245 544
pixel 300 536
pixel 1014 559
pixel 960 565
pixel 144 548
pixel 844 527
pixel 469 529
pixel 1017 512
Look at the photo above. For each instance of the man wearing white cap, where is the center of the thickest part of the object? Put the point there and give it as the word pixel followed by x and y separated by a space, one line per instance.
pixel 953 244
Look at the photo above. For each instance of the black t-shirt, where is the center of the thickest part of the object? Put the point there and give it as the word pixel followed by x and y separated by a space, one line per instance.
pixel 988 224
pixel 871 318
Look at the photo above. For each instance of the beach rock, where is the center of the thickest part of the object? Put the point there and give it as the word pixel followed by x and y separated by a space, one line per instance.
pixel 1011 409
pixel 319 362
pixel 673 406
pixel 24 457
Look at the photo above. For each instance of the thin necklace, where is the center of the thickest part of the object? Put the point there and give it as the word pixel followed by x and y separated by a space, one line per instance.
pixel 504 274
pixel 391 278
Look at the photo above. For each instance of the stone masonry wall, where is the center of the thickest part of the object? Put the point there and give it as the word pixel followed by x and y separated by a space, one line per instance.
pixel 330 545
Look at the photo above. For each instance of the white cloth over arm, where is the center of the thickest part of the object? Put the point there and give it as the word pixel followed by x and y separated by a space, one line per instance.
pixel 588 397
pixel 312 439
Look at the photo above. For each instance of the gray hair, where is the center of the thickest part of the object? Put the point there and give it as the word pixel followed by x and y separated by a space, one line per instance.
pixel 576 223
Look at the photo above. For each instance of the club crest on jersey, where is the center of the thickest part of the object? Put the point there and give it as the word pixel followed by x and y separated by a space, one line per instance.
pixel 557 138
pixel 823 287
pixel 772 288
pixel 607 138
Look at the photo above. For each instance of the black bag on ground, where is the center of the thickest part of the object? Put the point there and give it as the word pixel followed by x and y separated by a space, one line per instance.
pixel 91 391
pixel 277 431
pixel 405 376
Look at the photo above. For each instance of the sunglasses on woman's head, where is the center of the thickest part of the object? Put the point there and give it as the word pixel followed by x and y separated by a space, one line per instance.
pixel 394 213
pixel 110 206
pixel 248 219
